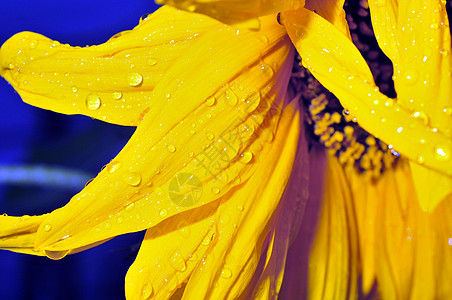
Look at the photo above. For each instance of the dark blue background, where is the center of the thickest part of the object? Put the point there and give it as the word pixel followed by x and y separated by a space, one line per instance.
pixel 31 136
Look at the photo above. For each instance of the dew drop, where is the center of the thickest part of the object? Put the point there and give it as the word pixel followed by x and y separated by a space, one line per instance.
pixel 171 148
pixel 130 207
pixel 119 220
pixel 147 291
pixel 442 152
pixel 226 273
pixel 132 178
pixel 163 213
pixel 152 61
pixel 206 241
pixel 246 157
pixel 421 116
pixel 113 166
pixel 116 95
pixel 47 227
pixel 177 262
pixel 209 136
pixel 92 101
pixel 302 32
pixel 215 190
pixel 135 79
pixel 74 89
pixel 210 101
pixel 55 255
pixel 231 98
pixel 267 69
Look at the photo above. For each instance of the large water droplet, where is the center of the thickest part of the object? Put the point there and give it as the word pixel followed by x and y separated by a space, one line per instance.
pixel 147 291
pixel 267 69
pixel 92 101
pixel 47 227
pixel 209 136
pixel 55 255
pixel 152 61
pixel 163 213
pixel 135 79
pixel 177 262
pixel 132 178
pixel 226 273
pixel 113 166
pixel 116 95
pixel 246 157
pixel 421 116
pixel 215 190
pixel 210 101
pixel 231 98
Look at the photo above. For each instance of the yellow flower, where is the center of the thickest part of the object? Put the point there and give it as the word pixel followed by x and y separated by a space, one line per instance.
pixel 215 118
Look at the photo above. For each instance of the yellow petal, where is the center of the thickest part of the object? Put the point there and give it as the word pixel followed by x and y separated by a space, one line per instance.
pixel 420 52
pixel 408 249
pixel 169 253
pixel 112 82
pixel 332 11
pixel 205 137
pixel 333 261
pixel 239 12
pixel 337 64
pixel 287 224
pixel 243 219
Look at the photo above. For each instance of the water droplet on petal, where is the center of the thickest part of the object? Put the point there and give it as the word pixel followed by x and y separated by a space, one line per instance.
pixel 132 178
pixel 215 190
pixel 147 291
pixel 163 213
pixel 116 95
pixel 113 166
pixel 443 152
pixel 421 116
pixel 135 79
pixel 152 61
pixel 231 98
pixel 92 101
pixel 119 220
pixel 410 77
pixel 209 136
pixel 226 273
pixel 74 89
pixel 130 207
pixel 267 69
pixel 47 227
pixel 171 148
pixel 246 157
pixel 210 101
pixel 33 44
pixel 55 255
pixel 177 262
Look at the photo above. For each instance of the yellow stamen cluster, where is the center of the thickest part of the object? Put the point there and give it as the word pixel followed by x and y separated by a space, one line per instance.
pixel 338 131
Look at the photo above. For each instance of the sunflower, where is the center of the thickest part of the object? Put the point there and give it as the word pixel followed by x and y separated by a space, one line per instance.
pixel 219 171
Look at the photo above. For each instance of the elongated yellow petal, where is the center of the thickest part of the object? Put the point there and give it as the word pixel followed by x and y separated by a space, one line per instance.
pixel 331 10
pixel 206 137
pixel 238 12
pixel 333 262
pixel 242 220
pixel 185 242
pixel 287 223
pixel 112 82
pixel 406 250
pixel 337 64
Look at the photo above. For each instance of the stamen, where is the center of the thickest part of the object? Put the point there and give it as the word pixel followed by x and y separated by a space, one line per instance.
pixel 336 129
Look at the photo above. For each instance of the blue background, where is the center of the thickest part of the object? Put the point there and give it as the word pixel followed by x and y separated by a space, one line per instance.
pixel 31 136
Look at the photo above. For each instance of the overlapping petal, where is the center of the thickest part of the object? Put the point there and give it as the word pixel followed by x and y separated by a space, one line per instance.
pixel 338 65
pixel 239 12
pixel 211 134
pixel 212 244
pixel 112 82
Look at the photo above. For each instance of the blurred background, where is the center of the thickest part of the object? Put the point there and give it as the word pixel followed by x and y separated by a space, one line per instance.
pixel 45 158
